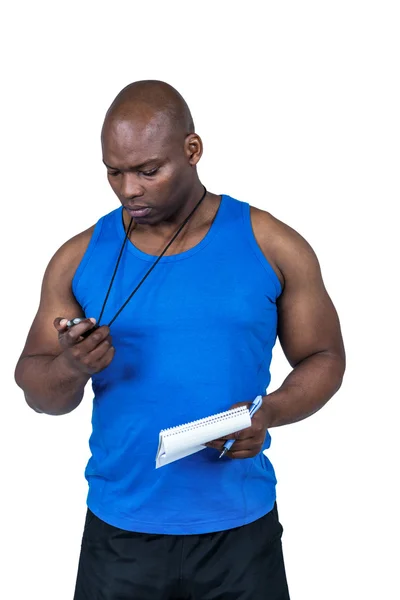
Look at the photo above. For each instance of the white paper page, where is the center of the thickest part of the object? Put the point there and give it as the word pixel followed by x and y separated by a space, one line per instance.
pixel 188 438
pixel 164 459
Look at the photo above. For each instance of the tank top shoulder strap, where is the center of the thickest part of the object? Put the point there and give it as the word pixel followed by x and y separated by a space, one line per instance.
pixel 240 226
pixel 103 231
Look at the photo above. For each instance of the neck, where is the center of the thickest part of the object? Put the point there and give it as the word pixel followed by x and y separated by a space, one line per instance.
pixel 186 208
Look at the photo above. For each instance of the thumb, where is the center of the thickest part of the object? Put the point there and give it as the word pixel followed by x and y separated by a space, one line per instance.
pixel 60 323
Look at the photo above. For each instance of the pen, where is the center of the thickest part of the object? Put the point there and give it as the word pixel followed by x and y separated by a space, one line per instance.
pixel 254 406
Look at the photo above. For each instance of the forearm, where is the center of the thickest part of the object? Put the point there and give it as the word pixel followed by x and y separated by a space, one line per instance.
pixel 306 389
pixel 49 384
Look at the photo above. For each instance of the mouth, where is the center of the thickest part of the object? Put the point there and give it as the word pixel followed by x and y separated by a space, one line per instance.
pixel 138 211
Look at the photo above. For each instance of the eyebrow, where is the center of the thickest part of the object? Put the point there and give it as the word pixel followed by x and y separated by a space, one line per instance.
pixel 136 167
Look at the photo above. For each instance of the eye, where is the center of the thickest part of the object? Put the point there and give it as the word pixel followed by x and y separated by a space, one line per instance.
pixel 113 173
pixel 149 173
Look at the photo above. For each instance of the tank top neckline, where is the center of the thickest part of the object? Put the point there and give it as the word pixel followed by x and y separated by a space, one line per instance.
pixel 215 226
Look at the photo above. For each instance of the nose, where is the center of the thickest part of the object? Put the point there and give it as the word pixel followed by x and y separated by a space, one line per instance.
pixel 131 186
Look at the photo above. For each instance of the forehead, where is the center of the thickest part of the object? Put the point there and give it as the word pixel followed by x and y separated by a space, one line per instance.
pixel 132 140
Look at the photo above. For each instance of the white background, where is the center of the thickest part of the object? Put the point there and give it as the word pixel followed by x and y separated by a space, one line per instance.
pixel 298 107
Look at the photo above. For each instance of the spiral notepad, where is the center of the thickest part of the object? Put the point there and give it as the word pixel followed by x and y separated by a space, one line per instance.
pixel 183 440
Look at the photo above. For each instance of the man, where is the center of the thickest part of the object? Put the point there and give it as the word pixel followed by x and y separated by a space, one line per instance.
pixel 194 339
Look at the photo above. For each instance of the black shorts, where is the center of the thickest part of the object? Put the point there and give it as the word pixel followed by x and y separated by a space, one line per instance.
pixel 245 563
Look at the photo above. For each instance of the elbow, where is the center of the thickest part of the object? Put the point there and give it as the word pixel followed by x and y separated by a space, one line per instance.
pixel 341 357
pixel 331 368
pixel 19 380
pixel 339 379
pixel 337 364
pixel 53 406
pixel 43 398
pixel 32 405
pixel 18 375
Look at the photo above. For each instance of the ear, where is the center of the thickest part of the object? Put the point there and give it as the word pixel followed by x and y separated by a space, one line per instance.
pixel 193 148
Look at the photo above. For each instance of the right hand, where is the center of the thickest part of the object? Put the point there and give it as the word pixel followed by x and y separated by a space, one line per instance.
pixel 85 355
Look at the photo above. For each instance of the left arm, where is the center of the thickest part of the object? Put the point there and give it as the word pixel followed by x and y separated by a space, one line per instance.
pixel 309 333
pixel 310 336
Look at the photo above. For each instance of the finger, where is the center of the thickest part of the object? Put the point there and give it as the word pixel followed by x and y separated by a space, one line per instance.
pixel 90 350
pixel 95 338
pixel 105 360
pixel 256 429
pixel 246 434
pixel 252 445
pixel 60 323
pixel 239 435
pixel 96 360
pixel 217 444
pixel 247 442
pixel 74 335
pixel 96 355
pixel 242 454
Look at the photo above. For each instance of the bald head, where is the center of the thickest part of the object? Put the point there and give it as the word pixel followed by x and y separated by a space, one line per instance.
pixel 150 148
pixel 155 102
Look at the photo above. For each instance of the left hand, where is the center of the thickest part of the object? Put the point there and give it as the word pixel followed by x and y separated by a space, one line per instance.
pixel 248 442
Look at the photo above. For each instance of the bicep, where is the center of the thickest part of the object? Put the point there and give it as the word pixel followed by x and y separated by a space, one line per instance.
pixel 57 300
pixel 307 319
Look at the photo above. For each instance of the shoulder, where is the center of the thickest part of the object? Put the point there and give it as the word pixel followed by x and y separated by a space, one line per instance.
pixel 288 252
pixel 67 258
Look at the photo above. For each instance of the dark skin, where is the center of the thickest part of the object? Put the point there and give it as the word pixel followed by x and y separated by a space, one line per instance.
pixel 309 333
pixel 151 155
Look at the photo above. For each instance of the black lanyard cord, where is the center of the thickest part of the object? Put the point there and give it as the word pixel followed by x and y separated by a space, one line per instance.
pixel 115 271
pixel 151 268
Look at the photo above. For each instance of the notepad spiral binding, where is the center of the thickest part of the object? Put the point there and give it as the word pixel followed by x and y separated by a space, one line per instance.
pixel 204 421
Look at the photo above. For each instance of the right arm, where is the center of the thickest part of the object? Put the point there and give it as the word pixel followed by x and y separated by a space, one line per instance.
pixel 56 362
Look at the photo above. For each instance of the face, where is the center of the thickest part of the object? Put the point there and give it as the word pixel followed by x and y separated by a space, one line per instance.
pixel 149 167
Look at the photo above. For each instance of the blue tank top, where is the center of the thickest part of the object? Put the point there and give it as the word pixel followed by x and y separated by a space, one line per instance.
pixel 195 339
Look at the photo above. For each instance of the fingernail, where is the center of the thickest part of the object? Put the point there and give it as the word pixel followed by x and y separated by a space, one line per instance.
pixel 93 320
pixel 63 322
